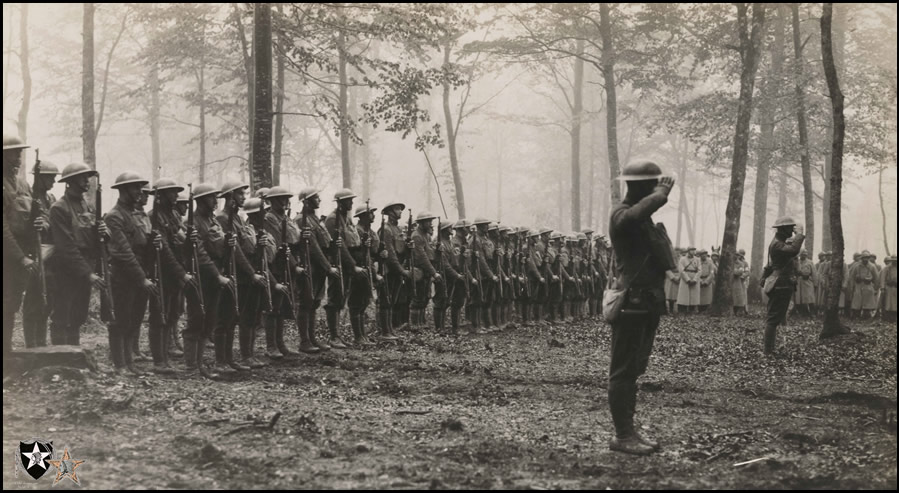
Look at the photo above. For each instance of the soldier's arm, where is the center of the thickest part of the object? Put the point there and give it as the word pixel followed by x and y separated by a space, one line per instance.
pixel 482 261
pixel 65 249
pixel 170 266
pixel 120 250
pixel 392 261
pixel 11 250
pixel 640 211
pixel 793 248
pixel 317 255
pixel 419 243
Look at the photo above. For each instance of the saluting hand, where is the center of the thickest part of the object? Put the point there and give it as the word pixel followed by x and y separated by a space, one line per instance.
pixel 666 183
pixel 798 230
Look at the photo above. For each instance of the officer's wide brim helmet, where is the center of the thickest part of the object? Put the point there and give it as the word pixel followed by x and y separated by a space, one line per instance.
pixel 129 178
pixel 641 170
pixel 391 205
pixel 76 169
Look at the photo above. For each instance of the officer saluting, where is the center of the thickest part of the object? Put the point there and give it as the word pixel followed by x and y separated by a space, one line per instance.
pixel 781 254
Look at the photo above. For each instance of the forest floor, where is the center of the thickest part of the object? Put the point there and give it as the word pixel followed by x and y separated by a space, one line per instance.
pixel 525 409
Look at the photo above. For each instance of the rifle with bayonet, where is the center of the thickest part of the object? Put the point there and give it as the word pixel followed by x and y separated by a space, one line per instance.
pixel 411 255
pixel 107 311
pixel 39 192
pixel 193 259
pixel 157 267
pixel 230 262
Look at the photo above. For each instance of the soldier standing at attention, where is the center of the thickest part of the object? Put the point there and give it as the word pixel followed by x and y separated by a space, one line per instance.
pixel 167 217
pixel 820 278
pixel 466 282
pixel 688 290
pixel 672 283
pixel 483 249
pixel 202 321
pixel 18 267
pixel 361 291
pixel 131 254
pixel 318 243
pixel 340 227
pixel 166 225
pixel 424 265
pixel 392 297
pixel 249 282
pixel 641 261
pixel 782 253
pixel 261 299
pixel 34 310
pixel 447 264
pixel 140 216
pixel 284 306
pixel 536 281
pixel 738 286
pixel 75 249
pixel 864 295
pixel 706 280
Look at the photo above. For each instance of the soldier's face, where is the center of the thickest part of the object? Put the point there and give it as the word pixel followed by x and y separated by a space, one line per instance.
pixel 131 193
pixel 167 197
pixel 12 161
pixel 427 227
pixel 144 197
pixel 239 196
pixel 181 208
pixel 47 181
pixel 313 202
pixel 80 183
pixel 345 205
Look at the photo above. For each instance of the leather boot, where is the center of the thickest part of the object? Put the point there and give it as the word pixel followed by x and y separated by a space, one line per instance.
pixel 271 348
pixel 306 345
pixel 253 362
pixel 770 338
pixel 279 339
pixel 633 408
pixel 321 345
pixel 116 352
pixel 454 320
pixel 135 345
pixel 332 317
pixel 129 358
pixel 158 349
pixel 201 365
pixel 625 440
pixel 363 323
pixel 220 339
pixel 440 319
pixel 357 332
pixel 229 353
pixel 386 323
pixel 190 354
pixel 176 340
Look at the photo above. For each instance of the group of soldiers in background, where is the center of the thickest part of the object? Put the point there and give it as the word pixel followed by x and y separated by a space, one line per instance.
pixel 868 288
pixel 252 265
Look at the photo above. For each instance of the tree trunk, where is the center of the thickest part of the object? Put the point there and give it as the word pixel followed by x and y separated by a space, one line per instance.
pixel 835 276
pixel 576 115
pixel 808 191
pixel 608 75
pixel 883 212
pixel 9 36
pixel 88 135
pixel 451 137
pixel 782 191
pixel 262 126
pixel 247 55
pixel 750 48
pixel 591 186
pixel 26 74
pixel 767 105
pixel 838 38
pixel 154 122
pixel 202 93
pixel 344 110
pixel 279 108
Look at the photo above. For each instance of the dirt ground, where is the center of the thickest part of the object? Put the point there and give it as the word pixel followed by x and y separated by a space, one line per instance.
pixel 523 409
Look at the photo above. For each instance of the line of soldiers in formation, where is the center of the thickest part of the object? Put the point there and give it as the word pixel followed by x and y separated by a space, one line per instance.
pixel 868 288
pixel 266 266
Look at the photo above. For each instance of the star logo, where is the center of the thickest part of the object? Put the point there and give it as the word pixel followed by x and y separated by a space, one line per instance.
pixel 33 456
pixel 65 467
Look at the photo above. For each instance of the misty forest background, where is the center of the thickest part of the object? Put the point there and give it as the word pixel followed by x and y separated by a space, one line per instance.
pixel 520 113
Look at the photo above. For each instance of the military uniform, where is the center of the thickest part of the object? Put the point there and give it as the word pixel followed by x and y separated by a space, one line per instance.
pixel 393 300
pixel 460 293
pixel 16 245
pixel 286 235
pixel 888 287
pixel 482 291
pixel 34 312
pixel 536 290
pixel 864 295
pixel 688 289
pixel 247 292
pixel 804 297
pixel 448 264
pixel 425 272
pixel 260 301
pixel 782 255
pixel 706 283
pixel 738 285
pixel 311 294
pixel 361 291
pixel 339 225
pixel 75 247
